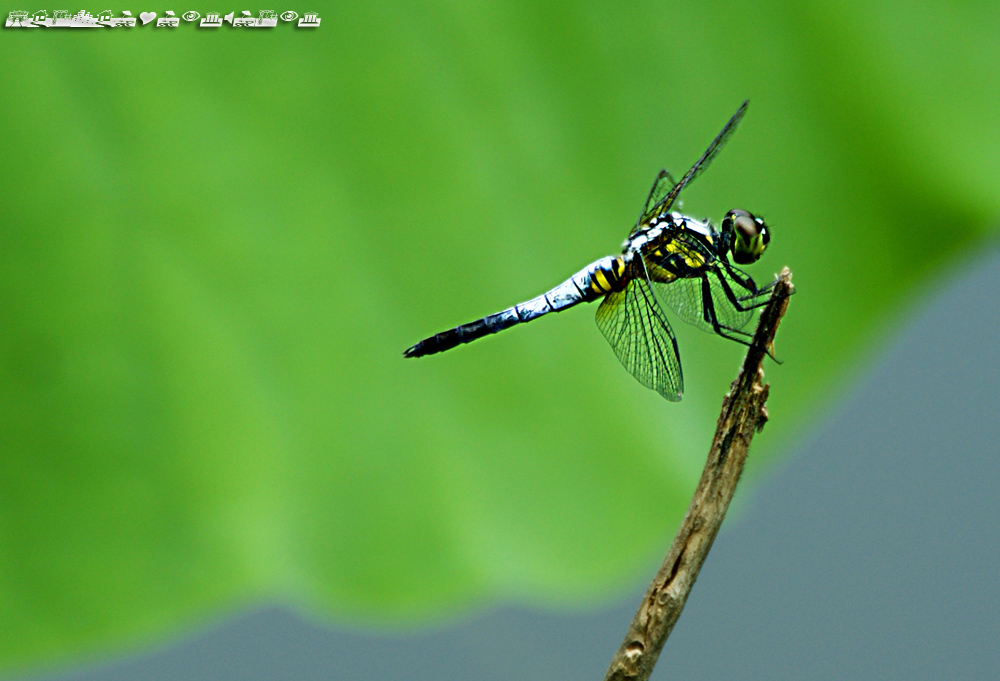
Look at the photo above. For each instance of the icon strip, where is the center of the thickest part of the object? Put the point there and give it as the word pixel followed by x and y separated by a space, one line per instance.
pixel 83 19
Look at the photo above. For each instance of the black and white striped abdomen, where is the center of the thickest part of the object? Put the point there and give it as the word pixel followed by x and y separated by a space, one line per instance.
pixel 589 284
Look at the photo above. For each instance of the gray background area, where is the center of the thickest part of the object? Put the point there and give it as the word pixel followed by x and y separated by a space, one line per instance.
pixel 872 553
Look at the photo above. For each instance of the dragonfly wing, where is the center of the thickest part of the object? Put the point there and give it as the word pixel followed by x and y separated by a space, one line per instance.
pixel 641 337
pixel 687 298
pixel 663 183
pixel 702 163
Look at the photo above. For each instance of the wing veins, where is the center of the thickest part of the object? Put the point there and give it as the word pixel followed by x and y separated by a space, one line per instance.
pixel 702 163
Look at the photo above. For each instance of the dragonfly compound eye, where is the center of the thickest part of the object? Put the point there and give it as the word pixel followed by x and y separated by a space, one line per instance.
pixel 749 236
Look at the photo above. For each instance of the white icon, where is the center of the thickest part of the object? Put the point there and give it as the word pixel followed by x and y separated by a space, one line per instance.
pixel 309 20
pixel 246 21
pixel 267 18
pixel 289 16
pixel 60 18
pixel 190 16
pixel 18 18
pixel 211 20
pixel 169 21
pixel 229 18
pixel 106 18
pixel 84 19
pixel 146 17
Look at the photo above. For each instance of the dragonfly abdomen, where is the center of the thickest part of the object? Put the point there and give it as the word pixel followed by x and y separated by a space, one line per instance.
pixel 589 284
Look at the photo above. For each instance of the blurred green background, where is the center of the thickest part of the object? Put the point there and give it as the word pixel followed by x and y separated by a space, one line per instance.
pixel 216 244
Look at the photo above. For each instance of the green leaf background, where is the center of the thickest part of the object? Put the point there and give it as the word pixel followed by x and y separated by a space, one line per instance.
pixel 215 245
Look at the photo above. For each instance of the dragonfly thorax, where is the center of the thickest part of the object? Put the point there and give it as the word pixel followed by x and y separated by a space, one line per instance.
pixel 667 227
pixel 678 221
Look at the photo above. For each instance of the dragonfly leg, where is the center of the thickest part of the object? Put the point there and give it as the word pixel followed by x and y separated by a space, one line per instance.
pixel 758 301
pixel 747 282
pixel 710 316
pixel 744 280
pixel 757 295
pixel 708 310
pixel 741 277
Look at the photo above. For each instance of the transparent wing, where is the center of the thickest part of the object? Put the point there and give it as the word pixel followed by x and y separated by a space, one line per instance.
pixel 663 183
pixel 690 298
pixel 633 323
pixel 713 149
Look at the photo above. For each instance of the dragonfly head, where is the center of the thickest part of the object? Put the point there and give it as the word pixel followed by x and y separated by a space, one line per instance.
pixel 745 236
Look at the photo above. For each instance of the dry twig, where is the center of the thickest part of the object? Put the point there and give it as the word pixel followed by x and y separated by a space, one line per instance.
pixel 743 414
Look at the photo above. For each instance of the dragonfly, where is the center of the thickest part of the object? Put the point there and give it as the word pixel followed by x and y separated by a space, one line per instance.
pixel 669 261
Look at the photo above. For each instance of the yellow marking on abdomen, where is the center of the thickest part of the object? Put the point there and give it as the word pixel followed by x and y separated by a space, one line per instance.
pixel 601 280
pixel 618 267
